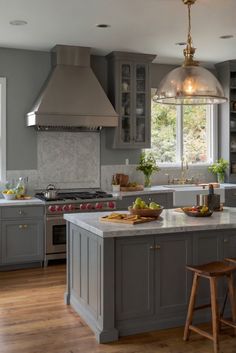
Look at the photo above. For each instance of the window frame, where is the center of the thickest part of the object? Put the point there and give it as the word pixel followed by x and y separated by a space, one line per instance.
pixel 212 136
pixel 3 128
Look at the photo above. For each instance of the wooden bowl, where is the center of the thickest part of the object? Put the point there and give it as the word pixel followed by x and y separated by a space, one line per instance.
pixel 191 213
pixel 146 212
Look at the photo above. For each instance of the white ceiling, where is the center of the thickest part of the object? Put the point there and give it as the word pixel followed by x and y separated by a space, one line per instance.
pixel 147 26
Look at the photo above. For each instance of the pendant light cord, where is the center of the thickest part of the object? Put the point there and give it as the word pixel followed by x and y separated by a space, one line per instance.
pixel 190 42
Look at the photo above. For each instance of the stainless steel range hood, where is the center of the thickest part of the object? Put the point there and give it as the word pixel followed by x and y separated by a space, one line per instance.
pixel 72 97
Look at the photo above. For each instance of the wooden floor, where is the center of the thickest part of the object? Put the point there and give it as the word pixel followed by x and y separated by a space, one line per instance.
pixel 34 319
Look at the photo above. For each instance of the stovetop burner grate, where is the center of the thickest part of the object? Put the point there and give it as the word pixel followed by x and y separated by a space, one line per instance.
pixel 79 195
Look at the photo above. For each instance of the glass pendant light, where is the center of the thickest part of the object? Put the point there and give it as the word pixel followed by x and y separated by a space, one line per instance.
pixel 189 84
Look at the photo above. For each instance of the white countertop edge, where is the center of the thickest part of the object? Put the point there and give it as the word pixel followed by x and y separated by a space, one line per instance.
pixel 31 202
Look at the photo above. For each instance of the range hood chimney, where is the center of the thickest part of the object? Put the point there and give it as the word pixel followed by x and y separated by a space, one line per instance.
pixel 72 98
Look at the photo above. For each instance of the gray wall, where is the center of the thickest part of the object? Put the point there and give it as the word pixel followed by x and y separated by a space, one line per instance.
pixel 26 72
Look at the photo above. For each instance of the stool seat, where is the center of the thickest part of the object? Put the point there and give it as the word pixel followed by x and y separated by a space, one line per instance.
pixel 213 269
pixel 231 259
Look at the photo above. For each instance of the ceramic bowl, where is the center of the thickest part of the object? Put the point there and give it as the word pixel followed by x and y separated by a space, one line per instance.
pixel 9 196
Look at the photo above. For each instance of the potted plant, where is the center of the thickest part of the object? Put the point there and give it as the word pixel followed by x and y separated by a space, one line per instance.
pixel 147 165
pixel 219 168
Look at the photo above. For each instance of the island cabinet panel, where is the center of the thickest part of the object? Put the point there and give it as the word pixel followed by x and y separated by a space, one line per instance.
pixel 86 269
pixel 152 285
pixel 173 282
pixel 90 287
pixel 22 241
pixel 163 199
pixel 229 244
pixel 230 197
pixel 134 277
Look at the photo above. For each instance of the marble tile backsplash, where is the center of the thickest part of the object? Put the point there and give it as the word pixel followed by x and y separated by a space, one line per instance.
pixel 67 159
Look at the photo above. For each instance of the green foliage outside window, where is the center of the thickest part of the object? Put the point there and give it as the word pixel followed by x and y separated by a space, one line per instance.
pixel 163 133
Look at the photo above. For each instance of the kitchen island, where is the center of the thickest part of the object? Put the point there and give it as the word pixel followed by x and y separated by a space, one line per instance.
pixel 125 279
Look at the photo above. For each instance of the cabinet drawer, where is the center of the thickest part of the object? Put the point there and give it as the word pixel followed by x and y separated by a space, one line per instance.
pixel 22 212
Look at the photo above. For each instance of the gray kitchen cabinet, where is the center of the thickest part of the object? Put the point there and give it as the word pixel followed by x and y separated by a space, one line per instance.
pixel 227 116
pixel 207 247
pixel 22 235
pixel 134 278
pixel 164 199
pixel 130 93
pixel 151 280
pixel 173 282
pixel 230 197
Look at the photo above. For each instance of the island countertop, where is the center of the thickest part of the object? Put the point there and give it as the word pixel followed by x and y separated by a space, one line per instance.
pixel 171 221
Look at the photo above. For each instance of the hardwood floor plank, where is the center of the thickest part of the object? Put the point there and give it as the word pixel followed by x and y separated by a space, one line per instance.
pixel 34 319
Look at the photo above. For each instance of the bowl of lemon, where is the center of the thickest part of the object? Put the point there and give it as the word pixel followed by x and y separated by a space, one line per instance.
pixel 9 194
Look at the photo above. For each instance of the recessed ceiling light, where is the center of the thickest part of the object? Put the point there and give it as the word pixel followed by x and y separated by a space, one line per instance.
pixel 227 36
pixel 180 43
pixel 18 23
pixel 103 25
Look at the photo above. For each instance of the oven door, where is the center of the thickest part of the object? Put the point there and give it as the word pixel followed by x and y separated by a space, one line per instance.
pixel 55 235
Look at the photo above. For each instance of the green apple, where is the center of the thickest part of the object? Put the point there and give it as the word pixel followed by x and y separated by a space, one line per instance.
pixel 154 205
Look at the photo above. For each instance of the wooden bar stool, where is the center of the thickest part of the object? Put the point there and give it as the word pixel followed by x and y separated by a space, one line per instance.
pixel 211 271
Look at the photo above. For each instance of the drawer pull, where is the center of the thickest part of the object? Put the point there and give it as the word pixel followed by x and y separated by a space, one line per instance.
pixel 20 212
pixel 157 247
pixel 226 240
pixel 152 247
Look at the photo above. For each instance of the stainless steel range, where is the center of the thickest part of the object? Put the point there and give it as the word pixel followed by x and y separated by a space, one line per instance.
pixel 69 202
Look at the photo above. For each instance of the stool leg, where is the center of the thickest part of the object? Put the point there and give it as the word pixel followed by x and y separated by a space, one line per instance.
pixel 215 314
pixel 192 300
pixel 230 280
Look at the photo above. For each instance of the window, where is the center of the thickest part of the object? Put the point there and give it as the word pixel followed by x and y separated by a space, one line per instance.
pixel 2 128
pixel 183 131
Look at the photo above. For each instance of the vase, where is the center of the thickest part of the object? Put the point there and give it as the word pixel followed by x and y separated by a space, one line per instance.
pixel 147 180
pixel 221 178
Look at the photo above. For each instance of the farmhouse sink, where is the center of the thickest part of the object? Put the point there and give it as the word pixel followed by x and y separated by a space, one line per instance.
pixel 182 186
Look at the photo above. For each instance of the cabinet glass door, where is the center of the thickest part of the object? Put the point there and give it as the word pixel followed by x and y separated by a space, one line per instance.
pixel 140 103
pixel 125 127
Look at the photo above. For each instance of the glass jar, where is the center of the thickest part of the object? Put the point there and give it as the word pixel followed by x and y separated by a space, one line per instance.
pixel 20 187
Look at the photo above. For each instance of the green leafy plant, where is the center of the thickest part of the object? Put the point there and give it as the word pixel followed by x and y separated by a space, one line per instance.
pixel 147 165
pixel 219 167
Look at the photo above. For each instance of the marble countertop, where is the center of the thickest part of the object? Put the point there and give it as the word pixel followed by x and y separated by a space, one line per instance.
pixel 171 221
pixel 169 188
pixel 31 202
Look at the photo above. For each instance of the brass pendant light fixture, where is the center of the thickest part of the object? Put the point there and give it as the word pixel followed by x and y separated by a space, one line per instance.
pixel 189 84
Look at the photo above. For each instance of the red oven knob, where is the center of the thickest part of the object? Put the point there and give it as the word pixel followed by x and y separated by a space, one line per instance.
pixel 111 204
pixel 98 205
pixel 51 208
pixel 71 207
pixel 82 206
pixel 89 206
pixel 65 208
pixel 58 208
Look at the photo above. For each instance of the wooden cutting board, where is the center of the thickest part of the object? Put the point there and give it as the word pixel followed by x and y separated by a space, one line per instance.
pixel 132 188
pixel 215 185
pixel 127 220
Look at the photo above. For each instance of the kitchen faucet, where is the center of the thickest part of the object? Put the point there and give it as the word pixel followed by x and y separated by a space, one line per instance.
pixel 184 171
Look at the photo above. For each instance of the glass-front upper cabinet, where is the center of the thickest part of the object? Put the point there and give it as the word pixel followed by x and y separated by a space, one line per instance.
pixel 130 92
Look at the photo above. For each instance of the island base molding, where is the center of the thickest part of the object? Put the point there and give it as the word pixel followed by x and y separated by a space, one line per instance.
pixel 128 285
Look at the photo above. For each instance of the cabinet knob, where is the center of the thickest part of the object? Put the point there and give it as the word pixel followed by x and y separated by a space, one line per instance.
pixel 25 226
pixel 157 247
pixel 152 247
pixel 21 226
pixel 20 212
pixel 226 240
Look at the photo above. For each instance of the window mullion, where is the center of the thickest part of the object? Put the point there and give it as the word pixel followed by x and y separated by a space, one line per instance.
pixel 179 133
